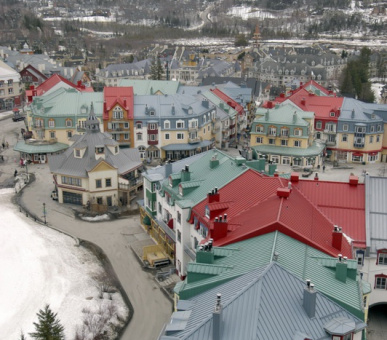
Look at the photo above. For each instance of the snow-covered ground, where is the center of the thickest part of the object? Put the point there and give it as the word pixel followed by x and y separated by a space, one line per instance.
pixel 41 266
pixel 377 88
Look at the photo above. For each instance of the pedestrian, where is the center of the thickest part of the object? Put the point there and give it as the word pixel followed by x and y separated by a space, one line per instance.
pixel 323 168
pixel 21 162
pixel 7 145
pixel 15 173
pixel 3 145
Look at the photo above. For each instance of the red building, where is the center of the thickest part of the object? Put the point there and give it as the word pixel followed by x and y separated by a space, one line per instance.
pixel 329 216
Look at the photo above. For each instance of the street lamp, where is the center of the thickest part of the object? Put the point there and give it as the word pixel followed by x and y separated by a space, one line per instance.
pixel 44 213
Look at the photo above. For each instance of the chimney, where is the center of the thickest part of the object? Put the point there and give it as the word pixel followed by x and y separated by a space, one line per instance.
pixel 267 115
pixel 213 196
pixel 303 101
pixel 283 192
pixel 219 228
pixel 125 103
pixel 205 103
pixel 32 87
pixel 282 95
pixel 337 237
pixel 353 180
pixel 353 113
pixel 316 177
pixel 341 269
pixel 217 319
pixel 294 177
pixel 270 105
pixel 214 162
pixel 294 117
pixel 168 169
pixel 309 301
pixel 205 254
pixel 173 109
pixel 185 174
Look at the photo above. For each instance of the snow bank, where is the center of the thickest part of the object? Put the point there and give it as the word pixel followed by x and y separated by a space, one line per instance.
pixel 41 266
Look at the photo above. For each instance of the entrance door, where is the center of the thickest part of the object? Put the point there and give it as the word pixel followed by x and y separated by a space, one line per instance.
pixel 42 158
pixel 72 198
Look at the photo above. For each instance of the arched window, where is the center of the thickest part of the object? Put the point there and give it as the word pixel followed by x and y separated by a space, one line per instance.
pixel 118 113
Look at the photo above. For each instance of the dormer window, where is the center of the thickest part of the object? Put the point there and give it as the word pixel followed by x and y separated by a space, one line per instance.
pixel 152 112
pixel 170 181
pixel 180 190
pixel 69 123
pixel 382 257
pixel 207 212
pixel 99 149
pixel 118 113
pixel 77 153
pixel 116 149
pixel 332 114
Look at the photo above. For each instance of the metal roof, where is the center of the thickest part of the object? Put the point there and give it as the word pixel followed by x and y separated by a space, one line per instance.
pixel 32 148
pixel 217 176
pixel 266 303
pixel 376 213
pixel 298 258
pixel 312 151
pixel 186 146
pixel 150 87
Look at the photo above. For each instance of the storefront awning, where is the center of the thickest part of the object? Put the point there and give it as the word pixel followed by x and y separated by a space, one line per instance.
pixel 357 154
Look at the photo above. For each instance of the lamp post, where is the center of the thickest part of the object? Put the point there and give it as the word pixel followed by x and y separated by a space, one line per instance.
pixel 44 213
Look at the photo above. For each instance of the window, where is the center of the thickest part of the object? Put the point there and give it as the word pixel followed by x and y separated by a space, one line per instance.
pixel 297 143
pixel 344 138
pixel 332 114
pixel 377 138
pixel 382 257
pixel 284 142
pixel 372 129
pixel 152 112
pixel 259 128
pixel 10 90
pixel 167 125
pixel 360 129
pixel 109 201
pixel 180 136
pixel 360 257
pixel 379 128
pixel 117 113
pixel 272 131
pixel 179 235
pixel 166 136
pixel 69 123
pixel 69 134
pixel 126 136
pixel 179 125
pixel 371 139
pixel 51 123
pixel 380 282
pixel 152 137
pixel 99 149
pixel 98 183
pixel 259 140
pixel 179 217
pixel 10 82
pixel 285 132
pixel 319 124
pixel 297 132
pixel 108 182
pixel 138 126
pixel 207 212
pixel 126 125
pixel 72 181
pixel 181 190
pixel 345 127
pixel 160 209
pixel 52 134
pixel 152 126
pixel 139 136
pixel 99 200
pixel 77 153
pixel 272 141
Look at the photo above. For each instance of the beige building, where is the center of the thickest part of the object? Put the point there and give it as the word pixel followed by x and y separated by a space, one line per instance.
pixel 95 172
pixel 10 87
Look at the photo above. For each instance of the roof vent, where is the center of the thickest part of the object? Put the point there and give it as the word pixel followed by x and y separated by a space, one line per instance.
pixel 309 301
pixel 353 180
pixel 217 319
pixel 283 192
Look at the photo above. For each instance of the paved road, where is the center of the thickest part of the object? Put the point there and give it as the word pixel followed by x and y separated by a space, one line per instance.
pixel 151 308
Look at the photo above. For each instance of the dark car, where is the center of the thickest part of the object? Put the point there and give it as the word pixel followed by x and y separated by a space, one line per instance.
pixel 17 116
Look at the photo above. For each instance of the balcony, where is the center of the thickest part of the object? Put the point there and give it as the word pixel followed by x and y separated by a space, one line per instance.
pixel 284 136
pixel 330 132
pixel 330 143
pixel 194 140
pixel 81 128
pixel 360 134
pixel 358 145
pixel 193 129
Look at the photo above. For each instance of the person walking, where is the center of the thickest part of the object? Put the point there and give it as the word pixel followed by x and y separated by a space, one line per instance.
pixel 3 145
pixel 323 168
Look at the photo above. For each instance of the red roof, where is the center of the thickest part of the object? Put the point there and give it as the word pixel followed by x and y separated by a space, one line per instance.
pixel 228 100
pixel 50 83
pixel 122 96
pixel 309 215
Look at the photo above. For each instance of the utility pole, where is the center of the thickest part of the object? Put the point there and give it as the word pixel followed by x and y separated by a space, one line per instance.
pixel 44 213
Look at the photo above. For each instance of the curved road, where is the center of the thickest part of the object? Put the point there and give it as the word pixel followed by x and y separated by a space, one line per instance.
pixel 151 308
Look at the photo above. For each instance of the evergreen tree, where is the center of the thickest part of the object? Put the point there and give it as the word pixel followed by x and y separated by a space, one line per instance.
pixel 48 327
pixel 156 72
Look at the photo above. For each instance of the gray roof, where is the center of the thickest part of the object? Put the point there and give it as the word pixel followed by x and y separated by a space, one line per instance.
pixel 186 146
pixel 362 111
pixel 376 213
pixel 266 303
pixel 67 164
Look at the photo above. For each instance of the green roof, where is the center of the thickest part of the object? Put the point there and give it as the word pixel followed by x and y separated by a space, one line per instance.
pixel 66 102
pixel 32 148
pixel 311 151
pixel 300 259
pixel 283 115
pixel 209 177
pixel 148 87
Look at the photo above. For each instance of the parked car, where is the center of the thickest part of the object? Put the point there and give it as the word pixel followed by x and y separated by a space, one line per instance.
pixel 54 195
pixel 17 116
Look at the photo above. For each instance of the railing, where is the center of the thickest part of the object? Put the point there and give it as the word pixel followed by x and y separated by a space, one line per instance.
pixel 81 128
pixel 329 131
pixel 194 140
